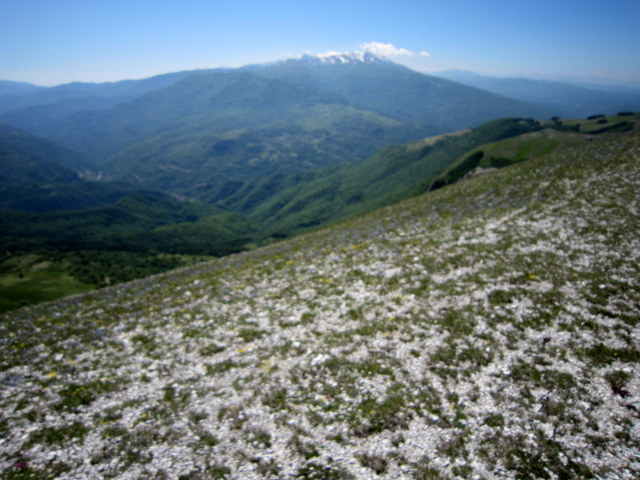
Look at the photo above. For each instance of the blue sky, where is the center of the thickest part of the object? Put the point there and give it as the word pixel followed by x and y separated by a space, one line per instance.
pixel 58 41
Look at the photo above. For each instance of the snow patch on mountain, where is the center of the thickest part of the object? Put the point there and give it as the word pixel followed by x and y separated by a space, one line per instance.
pixel 340 58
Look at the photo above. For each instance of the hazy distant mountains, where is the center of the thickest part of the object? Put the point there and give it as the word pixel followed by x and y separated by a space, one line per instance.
pixel 37 175
pixel 566 99
pixel 191 133
pixel 235 137
pixel 282 142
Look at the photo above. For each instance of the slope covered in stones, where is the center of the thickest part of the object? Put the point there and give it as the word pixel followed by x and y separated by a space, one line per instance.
pixel 485 330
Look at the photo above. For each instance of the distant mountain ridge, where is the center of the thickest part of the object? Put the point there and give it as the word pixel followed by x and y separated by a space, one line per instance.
pixel 10 88
pixel 217 161
pixel 566 98
pixel 349 58
pixel 192 134
pixel 20 95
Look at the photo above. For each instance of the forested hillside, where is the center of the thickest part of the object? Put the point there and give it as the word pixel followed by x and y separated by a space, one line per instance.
pixel 211 162
pixel 195 134
pixel 86 229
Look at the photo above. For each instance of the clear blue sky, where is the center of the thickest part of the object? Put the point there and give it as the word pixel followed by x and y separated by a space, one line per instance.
pixel 57 41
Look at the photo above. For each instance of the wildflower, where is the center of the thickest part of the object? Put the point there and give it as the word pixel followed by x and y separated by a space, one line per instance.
pixel 52 374
pixel 532 276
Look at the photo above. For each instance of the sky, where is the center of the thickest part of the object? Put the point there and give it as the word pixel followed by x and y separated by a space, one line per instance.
pixel 50 42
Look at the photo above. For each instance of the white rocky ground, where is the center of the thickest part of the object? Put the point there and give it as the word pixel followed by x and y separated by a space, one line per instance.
pixel 487 330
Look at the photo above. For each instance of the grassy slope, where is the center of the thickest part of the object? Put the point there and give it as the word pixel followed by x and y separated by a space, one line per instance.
pixel 589 125
pixel 33 279
pixel 43 275
pixel 487 329
pixel 535 144
pixel 127 240
pixel 531 145
pixel 393 174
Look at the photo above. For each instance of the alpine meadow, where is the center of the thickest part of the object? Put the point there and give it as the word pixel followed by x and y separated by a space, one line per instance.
pixel 372 263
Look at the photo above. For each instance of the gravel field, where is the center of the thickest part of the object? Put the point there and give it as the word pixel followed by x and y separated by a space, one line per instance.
pixel 488 330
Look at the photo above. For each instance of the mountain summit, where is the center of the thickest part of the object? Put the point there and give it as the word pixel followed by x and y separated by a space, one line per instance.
pixel 335 58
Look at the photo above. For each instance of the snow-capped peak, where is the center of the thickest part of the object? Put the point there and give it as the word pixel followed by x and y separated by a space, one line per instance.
pixel 340 58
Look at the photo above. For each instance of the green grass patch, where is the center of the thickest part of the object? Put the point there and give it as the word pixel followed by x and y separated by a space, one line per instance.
pixel 601 354
pixel 76 395
pixel 30 283
pixel 58 435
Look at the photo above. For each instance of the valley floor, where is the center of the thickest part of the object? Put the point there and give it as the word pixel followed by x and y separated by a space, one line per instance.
pixel 486 330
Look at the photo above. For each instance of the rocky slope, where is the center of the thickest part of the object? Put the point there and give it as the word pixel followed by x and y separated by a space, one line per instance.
pixel 486 330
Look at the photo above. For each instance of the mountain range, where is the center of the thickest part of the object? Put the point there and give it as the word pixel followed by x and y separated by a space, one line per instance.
pixel 565 98
pixel 197 134
pixel 214 161
pixel 463 304
pixel 191 128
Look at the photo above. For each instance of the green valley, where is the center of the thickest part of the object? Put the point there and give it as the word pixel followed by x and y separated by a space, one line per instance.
pixel 145 227
pixel 213 162
pixel 28 279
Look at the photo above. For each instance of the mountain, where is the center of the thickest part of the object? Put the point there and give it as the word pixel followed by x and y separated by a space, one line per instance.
pixel 193 134
pixel 46 206
pixel 566 99
pixel 18 167
pixel 393 90
pixel 351 58
pixel 37 175
pixel 241 123
pixel 488 329
pixel 345 109
pixel 77 96
pixel 15 89
pixel 15 138
pixel 285 205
